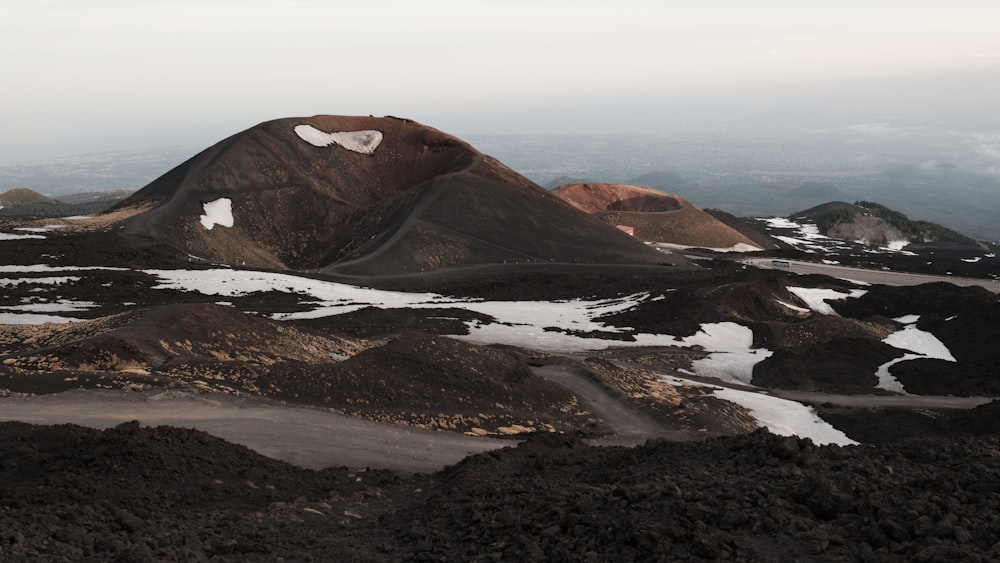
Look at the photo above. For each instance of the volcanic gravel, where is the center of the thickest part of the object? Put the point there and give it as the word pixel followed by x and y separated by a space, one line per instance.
pixel 150 494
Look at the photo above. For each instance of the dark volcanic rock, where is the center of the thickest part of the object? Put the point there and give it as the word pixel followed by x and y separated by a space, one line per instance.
pixel 885 425
pixel 432 381
pixel 965 319
pixel 840 365
pixel 132 493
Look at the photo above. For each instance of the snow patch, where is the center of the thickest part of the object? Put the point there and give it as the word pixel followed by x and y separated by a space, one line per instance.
pixel 919 343
pixel 815 298
pixel 33 319
pixel 40 268
pixel 57 306
pixel 780 223
pixel 363 142
pixel 779 416
pixel 793 307
pixel 13 236
pixel 731 356
pixel 738 247
pixel 218 212
pixel 545 326
pixel 14 282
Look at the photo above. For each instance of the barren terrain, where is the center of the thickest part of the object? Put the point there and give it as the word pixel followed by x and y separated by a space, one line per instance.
pixel 524 382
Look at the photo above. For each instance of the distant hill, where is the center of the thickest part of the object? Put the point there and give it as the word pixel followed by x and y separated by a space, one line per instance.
pixel 90 197
pixel 652 215
pixel 22 201
pixel 877 225
pixel 94 172
pixel 660 179
pixel 366 196
pixel 563 180
pixel 22 196
pixel 814 191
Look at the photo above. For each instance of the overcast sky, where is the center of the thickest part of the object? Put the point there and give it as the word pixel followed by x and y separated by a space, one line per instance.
pixel 86 76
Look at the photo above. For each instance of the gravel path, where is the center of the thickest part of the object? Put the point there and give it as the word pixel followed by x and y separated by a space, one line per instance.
pixel 309 438
pixel 629 427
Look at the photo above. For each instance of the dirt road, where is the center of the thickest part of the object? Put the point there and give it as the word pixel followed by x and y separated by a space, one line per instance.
pixel 873 276
pixel 628 426
pixel 305 437
pixel 875 401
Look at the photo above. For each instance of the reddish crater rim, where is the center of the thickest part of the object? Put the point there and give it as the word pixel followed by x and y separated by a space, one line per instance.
pixel 601 197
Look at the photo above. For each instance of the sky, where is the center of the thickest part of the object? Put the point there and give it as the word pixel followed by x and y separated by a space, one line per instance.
pixel 88 76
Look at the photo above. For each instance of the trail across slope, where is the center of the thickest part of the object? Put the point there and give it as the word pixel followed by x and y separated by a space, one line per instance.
pixel 305 437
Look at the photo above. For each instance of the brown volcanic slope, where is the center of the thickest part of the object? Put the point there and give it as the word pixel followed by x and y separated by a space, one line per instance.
pixel 654 215
pixel 386 196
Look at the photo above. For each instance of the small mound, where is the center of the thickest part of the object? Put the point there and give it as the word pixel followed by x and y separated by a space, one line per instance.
pixel 599 197
pixel 437 382
pixel 652 215
pixel 841 365
pixel 158 346
pixel 22 196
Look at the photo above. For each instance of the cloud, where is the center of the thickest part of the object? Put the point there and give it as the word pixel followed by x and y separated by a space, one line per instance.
pixel 874 129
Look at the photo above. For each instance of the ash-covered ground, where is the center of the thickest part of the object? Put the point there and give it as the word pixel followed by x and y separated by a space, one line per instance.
pixel 688 367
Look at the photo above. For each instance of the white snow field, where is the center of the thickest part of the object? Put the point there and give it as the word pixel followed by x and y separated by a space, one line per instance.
pixel 780 416
pixel 218 212
pixel 537 325
pixel 364 142
pixel 918 344
pixel 732 356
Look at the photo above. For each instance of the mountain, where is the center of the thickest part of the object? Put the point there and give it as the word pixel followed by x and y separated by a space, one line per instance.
pixel 23 201
pixel 365 196
pixel 91 197
pixel 877 225
pixel 662 179
pixel 815 191
pixel 562 180
pixel 652 215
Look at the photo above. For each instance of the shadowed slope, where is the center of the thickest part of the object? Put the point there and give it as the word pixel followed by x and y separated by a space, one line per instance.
pixel 384 195
pixel 653 215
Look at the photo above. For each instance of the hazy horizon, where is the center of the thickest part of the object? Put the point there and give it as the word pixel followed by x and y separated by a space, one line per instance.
pixel 96 76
